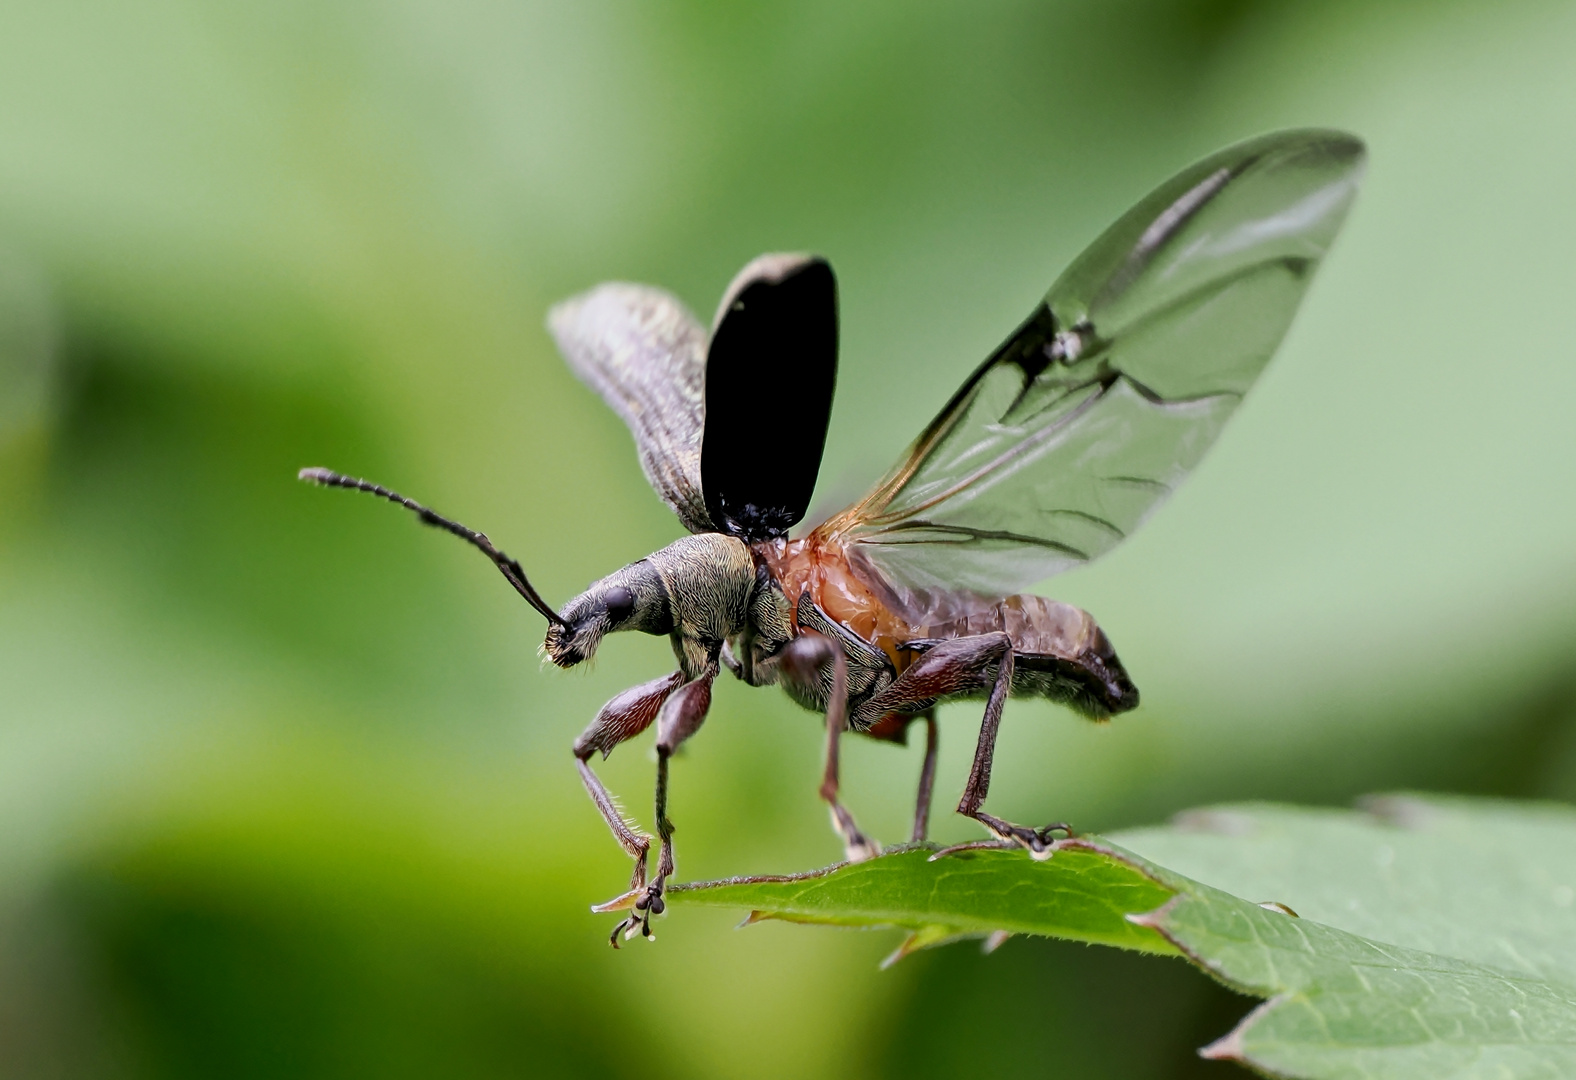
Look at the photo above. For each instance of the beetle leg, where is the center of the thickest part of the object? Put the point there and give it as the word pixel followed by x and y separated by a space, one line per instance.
pixel 953 666
pixel 956 666
pixel 804 658
pixel 927 779
pixel 624 717
pixel 1038 841
pixel 680 717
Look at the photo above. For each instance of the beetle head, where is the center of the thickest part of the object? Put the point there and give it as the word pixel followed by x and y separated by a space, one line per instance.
pixel 633 598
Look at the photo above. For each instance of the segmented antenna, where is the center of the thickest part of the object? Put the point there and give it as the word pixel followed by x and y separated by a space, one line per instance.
pixel 510 569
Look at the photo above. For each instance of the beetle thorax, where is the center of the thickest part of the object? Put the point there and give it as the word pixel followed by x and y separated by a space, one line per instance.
pixel 708 578
pixel 819 565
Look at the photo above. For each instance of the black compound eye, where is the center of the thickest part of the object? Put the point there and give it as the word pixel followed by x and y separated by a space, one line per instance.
pixel 620 604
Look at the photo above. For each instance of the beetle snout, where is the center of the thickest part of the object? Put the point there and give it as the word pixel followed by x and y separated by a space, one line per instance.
pixel 575 640
pixel 631 599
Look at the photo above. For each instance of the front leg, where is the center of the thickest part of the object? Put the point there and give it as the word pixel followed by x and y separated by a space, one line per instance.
pixel 803 659
pixel 624 717
pixel 681 716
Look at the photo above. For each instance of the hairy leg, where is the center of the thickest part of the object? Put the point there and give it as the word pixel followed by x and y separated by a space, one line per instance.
pixel 803 659
pixel 624 717
pixel 680 717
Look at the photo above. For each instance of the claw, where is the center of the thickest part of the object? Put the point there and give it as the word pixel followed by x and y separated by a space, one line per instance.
pixel 861 849
pixel 1039 843
pixel 629 926
pixel 857 847
pixel 641 904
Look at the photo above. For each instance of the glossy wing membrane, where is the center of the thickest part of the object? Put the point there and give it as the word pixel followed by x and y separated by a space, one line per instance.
pixel 643 351
pixel 1093 412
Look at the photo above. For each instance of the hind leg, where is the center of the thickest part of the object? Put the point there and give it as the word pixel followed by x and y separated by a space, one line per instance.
pixel 927 780
pixel 956 666
pixel 1038 841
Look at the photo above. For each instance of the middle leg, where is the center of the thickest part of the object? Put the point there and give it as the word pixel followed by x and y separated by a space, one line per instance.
pixel 804 658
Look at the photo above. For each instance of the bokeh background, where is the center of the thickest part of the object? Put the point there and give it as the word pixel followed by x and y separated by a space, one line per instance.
pixel 283 788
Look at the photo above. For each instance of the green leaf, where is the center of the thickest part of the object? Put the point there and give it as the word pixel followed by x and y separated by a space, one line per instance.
pixel 1437 938
pixel 1085 893
pixel 1417 938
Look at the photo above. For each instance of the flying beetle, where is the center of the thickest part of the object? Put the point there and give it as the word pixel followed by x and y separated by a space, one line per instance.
pixel 1056 448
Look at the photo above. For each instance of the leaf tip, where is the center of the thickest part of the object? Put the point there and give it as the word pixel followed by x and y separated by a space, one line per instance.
pixel 1232 1046
pixel 910 944
pixel 926 937
pixel 1226 1048
pixel 1153 920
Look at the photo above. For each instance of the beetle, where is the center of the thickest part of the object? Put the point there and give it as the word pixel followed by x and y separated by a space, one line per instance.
pixel 1057 446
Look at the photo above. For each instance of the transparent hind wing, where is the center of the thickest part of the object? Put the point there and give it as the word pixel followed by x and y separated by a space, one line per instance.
pixel 1091 414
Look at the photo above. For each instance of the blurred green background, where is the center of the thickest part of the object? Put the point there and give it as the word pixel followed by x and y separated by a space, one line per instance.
pixel 284 791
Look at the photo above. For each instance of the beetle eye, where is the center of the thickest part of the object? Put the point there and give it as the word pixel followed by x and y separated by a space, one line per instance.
pixel 620 604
